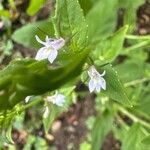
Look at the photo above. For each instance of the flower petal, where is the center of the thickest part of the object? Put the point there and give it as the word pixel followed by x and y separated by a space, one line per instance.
pixel 103 83
pixel 91 85
pixel 42 54
pixel 58 44
pixel 39 40
pixel 52 55
pixel 98 87
pixel 60 99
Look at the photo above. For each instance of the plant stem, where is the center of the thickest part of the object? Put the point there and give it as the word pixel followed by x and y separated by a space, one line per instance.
pixel 33 102
pixel 134 82
pixel 133 117
pixel 135 37
pixel 139 45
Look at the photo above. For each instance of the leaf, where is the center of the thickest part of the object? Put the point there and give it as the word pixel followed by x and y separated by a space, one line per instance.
pixel 114 87
pixel 26 34
pixel 146 140
pixel 85 146
pixel 101 19
pixel 103 125
pixel 69 22
pixel 30 77
pixel 131 8
pixel 54 111
pixel 132 139
pixel 130 70
pixel 34 6
pixel 86 5
pixel 107 50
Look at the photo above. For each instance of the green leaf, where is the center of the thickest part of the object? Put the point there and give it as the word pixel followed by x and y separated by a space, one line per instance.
pixel 30 77
pixel 130 70
pixel 101 128
pixel 133 138
pixel 131 8
pixel 26 34
pixel 114 87
pixel 107 50
pixel 5 13
pixel 34 6
pixel 146 140
pixel 69 22
pixel 85 146
pixel 54 111
pixel 102 19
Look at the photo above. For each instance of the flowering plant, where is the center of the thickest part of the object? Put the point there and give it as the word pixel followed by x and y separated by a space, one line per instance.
pixel 75 49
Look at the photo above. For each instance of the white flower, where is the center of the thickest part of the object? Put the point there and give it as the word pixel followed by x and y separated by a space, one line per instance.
pixel 97 81
pixel 50 49
pixel 46 112
pixel 57 99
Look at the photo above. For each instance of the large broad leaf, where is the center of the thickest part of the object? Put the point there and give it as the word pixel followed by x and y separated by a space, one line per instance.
pixel 107 50
pixel 69 22
pixel 132 139
pixel 30 77
pixel 101 128
pixel 114 87
pixel 102 19
pixel 26 34
pixel 34 6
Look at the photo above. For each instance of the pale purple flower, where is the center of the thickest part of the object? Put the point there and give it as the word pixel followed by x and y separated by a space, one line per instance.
pixel 57 99
pixel 50 48
pixel 97 82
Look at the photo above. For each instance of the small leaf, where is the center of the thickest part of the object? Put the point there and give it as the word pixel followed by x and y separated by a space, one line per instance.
pixel 34 6
pixel 101 128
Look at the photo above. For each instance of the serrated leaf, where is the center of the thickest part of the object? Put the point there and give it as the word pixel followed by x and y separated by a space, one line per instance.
pixel 34 6
pixel 108 49
pixel 26 34
pixel 114 87
pixel 101 128
pixel 69 22
pixel 31 77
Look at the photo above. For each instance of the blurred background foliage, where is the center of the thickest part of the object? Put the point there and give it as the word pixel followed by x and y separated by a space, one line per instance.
pixel 118 32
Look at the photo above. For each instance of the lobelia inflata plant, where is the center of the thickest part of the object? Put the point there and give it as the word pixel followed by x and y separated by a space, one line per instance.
pixel 50 52
pixel 97 82
pixel 50 49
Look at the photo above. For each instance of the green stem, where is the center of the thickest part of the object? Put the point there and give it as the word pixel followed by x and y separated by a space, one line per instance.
pixel 136 37
pixel 33 102
pixel 133 117
pixel 136 46
pixel 134 82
